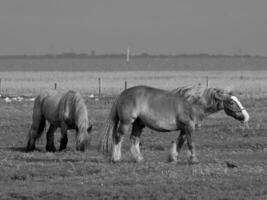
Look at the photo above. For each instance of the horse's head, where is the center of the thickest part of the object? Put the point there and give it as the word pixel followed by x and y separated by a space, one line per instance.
pixel 84 138
pixel 89 129
pixel 231 105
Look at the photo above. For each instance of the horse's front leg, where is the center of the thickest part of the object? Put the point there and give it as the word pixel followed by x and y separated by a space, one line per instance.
pixel 50 146
pixel 176 147
pixel 173 154
pixel 189 132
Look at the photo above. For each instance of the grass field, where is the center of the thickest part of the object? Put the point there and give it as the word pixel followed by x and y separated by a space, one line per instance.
pixel 76 175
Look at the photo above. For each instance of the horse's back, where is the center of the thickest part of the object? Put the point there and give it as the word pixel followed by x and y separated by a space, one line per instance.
pixel 154 106
pixel 48 101
pixel 148 96
pixel 47 92
pixel 132 100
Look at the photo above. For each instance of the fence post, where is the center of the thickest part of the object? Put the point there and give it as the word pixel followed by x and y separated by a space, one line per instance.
pixel 55 86
pixel 207 81
pixel 99 87
pixel 125 85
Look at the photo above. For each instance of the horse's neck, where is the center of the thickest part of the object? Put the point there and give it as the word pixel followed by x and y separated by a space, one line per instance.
pixel 203 108
pixel 199 113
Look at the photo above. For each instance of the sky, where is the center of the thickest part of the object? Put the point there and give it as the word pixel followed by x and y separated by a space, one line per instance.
pixel 151 26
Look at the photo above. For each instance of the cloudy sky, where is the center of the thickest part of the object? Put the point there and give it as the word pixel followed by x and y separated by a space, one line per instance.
pixel 153 26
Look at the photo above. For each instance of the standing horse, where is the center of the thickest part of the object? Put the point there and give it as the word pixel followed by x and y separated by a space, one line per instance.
pixel 164 111
pixel 67 111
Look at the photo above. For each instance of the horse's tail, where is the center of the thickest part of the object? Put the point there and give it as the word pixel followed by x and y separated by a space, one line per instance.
pixel 38 116
pixel 37 126
pixel 105 143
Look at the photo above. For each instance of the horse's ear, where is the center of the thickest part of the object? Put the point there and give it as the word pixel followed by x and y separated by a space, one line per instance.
pixel 235 93
pixel 89 129
pixel 219 95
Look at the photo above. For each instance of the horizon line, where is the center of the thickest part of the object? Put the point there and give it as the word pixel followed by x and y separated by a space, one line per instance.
pixel 85 55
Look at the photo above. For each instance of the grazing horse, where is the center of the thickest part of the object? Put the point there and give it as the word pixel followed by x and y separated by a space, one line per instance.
pixel 67 111
pixel 181 109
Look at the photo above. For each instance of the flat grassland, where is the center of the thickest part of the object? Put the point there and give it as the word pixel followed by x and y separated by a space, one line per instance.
pixel 233 159
pixel 246 75
pixel 233 162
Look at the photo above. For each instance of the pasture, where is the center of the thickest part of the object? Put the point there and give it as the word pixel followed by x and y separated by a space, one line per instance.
pixel 233 162
pixel 221 143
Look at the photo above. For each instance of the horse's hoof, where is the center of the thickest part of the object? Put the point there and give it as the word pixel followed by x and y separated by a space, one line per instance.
pixel 51 149
pixel 82 146
pixel 116 157
pixel 114 161
pixel 193 160
pixel 80 149
pixel 172 160
pixel 139 159
pixel 28 150
pixel 61 149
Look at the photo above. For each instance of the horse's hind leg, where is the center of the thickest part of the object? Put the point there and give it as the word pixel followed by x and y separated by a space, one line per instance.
pixel 36 130
pixel 64 137
pixel 135 140
pixel 123 128
pixel 180 141
pixel 50 146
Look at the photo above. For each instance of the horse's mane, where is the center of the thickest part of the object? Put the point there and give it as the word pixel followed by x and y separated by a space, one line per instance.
pixel 76 102
pixel 189 93
pixel 74 98
pixel 194 94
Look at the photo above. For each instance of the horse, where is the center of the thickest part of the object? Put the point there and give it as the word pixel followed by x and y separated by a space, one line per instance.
pixel 62 110
pixel 181 109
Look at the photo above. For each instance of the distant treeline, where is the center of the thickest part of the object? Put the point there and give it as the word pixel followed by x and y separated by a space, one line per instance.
pixel 122 55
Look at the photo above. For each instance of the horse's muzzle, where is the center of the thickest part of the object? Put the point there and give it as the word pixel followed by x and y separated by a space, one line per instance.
pixel 246 115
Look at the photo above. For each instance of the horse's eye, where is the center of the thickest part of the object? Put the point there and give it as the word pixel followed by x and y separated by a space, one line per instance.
pixel 232 102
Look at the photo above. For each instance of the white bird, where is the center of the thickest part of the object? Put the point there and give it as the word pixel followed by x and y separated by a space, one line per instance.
pixel 7 99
